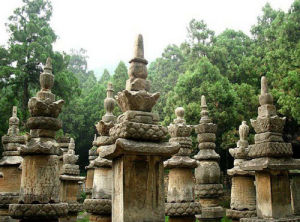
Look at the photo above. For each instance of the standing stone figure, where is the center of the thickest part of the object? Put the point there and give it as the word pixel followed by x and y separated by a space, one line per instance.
pixel 40 184
pixel 10 166
pixel 99 206
pixel 272 160
pixel 90 170
pixel 69 184
pixel 243 200
pixel 138 153
pixel 181 205
pixel 208 187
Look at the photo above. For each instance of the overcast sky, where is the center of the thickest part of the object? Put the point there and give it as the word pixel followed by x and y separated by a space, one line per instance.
pixel 107 28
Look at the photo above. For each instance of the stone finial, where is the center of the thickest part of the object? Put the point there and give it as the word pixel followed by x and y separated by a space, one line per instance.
pixel 13 123
pixel 179 112
pixel 109 103
pixel 137 70
pixel 265 97
pixel 204 112
pixel 71 148
pixel 48 66
pixel 244 131
pixel 139 47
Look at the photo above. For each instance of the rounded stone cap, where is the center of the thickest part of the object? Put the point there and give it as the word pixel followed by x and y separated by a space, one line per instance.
pixel 97 206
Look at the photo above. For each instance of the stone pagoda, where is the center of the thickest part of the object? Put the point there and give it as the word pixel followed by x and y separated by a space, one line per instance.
pixel 10 169
pixel 99 206
pixel 90 169
pixel 208 188
pixel 40 184
pixel 243 200
pixel 138 152
pixel 69 189
pixel 181 205
pixel 272 160
pixel 63 143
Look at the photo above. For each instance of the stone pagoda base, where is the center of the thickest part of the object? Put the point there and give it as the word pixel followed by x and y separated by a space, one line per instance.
pixel 181 212
pixel 38 212
pixel 211 214
pixel 253 219
pixel 236 215
pixel 99 209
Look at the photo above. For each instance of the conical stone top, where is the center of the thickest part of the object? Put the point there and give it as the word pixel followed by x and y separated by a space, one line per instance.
pixel 204 111
pixel 268 127
pixel 138 53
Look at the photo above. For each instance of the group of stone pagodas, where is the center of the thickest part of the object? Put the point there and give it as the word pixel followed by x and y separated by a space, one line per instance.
pixel 35 191
pixel 125 176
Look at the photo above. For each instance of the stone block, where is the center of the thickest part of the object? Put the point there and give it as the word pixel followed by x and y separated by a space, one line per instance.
pixel 268 137
pixel 270 149
pixel 102 185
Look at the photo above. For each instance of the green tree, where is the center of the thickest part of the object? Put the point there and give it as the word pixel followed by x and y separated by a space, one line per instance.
pixel 120 76
pixel 105 76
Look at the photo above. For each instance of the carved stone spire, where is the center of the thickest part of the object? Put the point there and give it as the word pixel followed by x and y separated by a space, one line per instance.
pixel 13 123
pixel 204 112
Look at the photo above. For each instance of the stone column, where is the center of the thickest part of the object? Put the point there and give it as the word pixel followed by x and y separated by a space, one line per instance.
pixel 69 184
pixel 272 158
pixel 40 184
pixel 208 188
pixel 243 200
pixel 63 143
pixel 138 153
pixel 10 166
pixel 181 205
pixel 90 170
pixel 99 206
pixel 295 191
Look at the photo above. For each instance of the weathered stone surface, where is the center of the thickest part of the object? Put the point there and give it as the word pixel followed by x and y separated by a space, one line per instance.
pixel 98 206
pixel 137 100
pixel 180 162
pixel 13 139
pixel 44 108
pixel 243 193
pixel 131 147
pixel 136 84
pixel 268 137
pixel 35 133
pixel 182 209
pixel 102 185
pixel 254 219
pixel 207 145
pixel 180 186
pixel 185 142
pixel 11 153
pixel 38 211
pixel 140 131
pixel 206 128
pixel 41 122
pixel 139 196
pixel 295 183
pixel 102 141
pixel 7 198
pixel 207 154
pixel 139 117
pixel 75 208
pixel 270 149
pixel 41 146
pixel 10 180
pixel 208 190
pixel 268 124
pixel 268 163
pixel 211 213
pixel 89 181
pixel 206 137
pixel 70 177
pixel 237 214
pixel 273 194
pixel 101 162
pixel 40 181
pixel 207 172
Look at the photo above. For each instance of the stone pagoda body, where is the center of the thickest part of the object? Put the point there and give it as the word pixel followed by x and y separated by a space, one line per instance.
pixel 90 169
pixel 10 166
pixel 69 189
pixel 99 206
pixel 40 184
pixel 181 205
pixel 243 199
pixel 138 152
pixel 208 187
pixel 272 160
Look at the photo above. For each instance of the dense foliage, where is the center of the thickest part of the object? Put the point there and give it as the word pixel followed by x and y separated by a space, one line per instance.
pixel 224 67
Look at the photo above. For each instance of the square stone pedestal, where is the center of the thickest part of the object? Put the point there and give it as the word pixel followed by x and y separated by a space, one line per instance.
pixel 138 179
